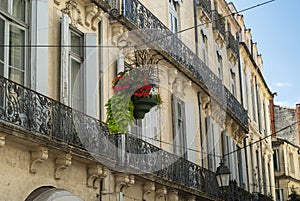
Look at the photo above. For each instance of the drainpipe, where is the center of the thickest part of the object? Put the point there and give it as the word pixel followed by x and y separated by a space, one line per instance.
pixel 196 27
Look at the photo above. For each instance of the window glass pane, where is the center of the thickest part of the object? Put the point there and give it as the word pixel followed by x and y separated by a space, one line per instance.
pixel 16 51
pixel 75 43
pixel 76 85
pixel 4 5
pixel 16 75
pixel 19 7
pixel 1 40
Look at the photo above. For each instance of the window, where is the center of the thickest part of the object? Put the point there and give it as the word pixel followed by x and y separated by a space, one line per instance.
pixel 276 160
pixel 253 102
pixel 292 162
pixel 240 166
pixel 76 70
pixel 179 135
pixel 279 194
pixel 233 79
pixel 13 34
pixel 173 16
pixel 204 44
pixel 79 69
pixel 219 63
pixel 246 91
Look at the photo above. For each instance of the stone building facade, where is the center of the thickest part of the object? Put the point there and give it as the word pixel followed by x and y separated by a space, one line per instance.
pixel 57 63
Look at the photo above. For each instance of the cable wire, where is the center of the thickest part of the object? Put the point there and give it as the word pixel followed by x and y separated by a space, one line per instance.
pixel 145 43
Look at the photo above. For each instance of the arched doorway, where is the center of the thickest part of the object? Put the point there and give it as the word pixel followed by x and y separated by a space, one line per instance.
pixel 50 193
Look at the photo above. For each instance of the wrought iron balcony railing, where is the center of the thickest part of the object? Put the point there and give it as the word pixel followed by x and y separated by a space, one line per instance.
pixel 168 42
pixel 205 5
pixel 232 43
pixel 218 23
pixel 46 118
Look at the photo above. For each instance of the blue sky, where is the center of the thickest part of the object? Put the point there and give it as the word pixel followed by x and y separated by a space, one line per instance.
pixel 276 29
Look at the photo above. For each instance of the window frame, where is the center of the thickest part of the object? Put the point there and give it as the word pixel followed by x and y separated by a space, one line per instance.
pixel 174 16
pixel 179 133
pixel 79 58
pixel 9 22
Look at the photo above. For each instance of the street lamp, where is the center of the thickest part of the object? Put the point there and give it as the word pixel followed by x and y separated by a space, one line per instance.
pixel 222 175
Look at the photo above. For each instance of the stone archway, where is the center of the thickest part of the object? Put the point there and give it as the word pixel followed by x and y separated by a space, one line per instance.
pixel 50 193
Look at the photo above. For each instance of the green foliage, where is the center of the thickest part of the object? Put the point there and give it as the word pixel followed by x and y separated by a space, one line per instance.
pixel 119 113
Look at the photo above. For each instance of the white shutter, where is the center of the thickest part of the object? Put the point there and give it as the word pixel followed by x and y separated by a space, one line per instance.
pixel 39 56
pixel 91 79
pixel 65 43
pixel 150 127
pixel 190 131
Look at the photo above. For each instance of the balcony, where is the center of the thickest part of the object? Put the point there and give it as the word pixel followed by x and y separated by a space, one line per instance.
pixel 232 43
pixel 218 23
pixel 205 5
pixel 169 44
pixel 57 125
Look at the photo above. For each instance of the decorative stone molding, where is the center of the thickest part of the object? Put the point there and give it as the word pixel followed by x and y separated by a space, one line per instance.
pixel 119 34
pixel 161 192
pixel 2 140
pixel 185 85
pixel 38 156
pixel 219 115
pixel 62 163
pixel 173 195
pixel 73 12
pixel 123 181
pixel 206 104
pixel 232 57
pixel 95 174
pixel 91 10
pixel 219 39
pixel 96 19
pixel 149 188
pixel 57 2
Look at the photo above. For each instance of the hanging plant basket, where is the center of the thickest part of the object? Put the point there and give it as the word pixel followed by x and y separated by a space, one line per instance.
pixel 142 106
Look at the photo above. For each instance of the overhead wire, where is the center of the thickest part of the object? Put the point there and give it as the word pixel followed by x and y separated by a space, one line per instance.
pixel 145 43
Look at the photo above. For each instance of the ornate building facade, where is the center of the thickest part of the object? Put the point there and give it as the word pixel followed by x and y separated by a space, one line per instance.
pixel 57 60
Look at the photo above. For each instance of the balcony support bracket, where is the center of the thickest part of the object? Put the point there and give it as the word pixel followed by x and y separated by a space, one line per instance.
pixel 95 174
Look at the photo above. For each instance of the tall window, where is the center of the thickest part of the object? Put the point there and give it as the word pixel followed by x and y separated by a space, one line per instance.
pixel 219 63
pixel 179 135
pixel 76 70
pixel 292 162
pixel 279 194
pixel 240 166
pixel 79 68
pixel 204 44
pixel 246 90
pixel 233 79
pixel 253 102
pixel 13 34
pixel 276 160
pixel 173 11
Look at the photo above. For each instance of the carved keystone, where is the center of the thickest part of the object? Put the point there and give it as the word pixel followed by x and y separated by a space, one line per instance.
pixel 123 181
pixel 2 140
pixel 62 163
pixel 73 12
pixel 38 156
pixel 95 174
